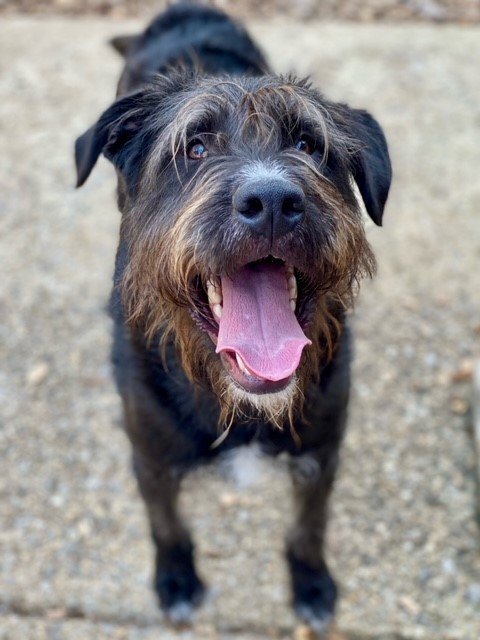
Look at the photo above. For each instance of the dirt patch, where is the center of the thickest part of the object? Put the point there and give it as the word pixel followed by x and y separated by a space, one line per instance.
pixel 466 11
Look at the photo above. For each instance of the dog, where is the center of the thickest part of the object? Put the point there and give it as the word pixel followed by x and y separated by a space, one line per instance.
pixel 242 245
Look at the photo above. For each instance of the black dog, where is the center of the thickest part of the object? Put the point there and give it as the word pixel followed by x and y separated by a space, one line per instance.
pixel 241 247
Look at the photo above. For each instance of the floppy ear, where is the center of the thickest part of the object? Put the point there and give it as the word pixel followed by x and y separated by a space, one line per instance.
pixel 122 44
pixel 115 128
pixel 370 162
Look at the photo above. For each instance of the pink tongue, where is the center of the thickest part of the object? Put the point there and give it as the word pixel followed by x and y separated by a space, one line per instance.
pixel 258 323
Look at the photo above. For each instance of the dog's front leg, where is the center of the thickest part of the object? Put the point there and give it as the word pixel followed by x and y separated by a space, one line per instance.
pixel 178 587
pixel 314 590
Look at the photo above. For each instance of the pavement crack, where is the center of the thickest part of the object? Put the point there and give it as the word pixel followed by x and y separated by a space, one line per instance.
pixel 63 613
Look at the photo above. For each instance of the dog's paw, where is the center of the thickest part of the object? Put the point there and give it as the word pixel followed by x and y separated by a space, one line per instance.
pixel 317 620
pixel 314 595
pixel 179 593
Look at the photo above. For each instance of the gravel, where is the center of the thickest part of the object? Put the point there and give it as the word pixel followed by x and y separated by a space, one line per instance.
pixel 75 558
pixel 464 11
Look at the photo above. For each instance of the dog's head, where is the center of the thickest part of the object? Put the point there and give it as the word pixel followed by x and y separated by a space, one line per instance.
pixel 242 225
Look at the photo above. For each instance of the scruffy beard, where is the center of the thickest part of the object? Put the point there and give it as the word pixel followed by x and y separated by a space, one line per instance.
pixel 276 408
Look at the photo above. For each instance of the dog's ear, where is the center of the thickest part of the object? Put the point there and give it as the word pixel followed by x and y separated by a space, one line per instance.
pixel 111 134
pixel 370 162
pixel 122 44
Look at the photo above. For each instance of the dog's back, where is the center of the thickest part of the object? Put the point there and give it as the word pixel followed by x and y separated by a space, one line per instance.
pixel 192 37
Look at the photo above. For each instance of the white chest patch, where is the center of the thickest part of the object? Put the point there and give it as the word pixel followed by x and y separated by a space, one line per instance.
pixel 246 466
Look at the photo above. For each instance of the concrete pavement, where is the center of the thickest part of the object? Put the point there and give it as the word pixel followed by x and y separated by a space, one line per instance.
pixel 75 558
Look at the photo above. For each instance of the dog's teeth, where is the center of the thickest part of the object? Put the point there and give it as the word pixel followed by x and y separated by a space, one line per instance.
pixel 240 363
pixel 214 292
pixel 292 286
pixel 215 298
pixel 243 367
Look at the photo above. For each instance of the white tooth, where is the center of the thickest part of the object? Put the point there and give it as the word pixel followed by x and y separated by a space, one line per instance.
pixel 215 283
pixel 293 304
pixel 217 310
pixel 292 287
pixel 241 364
pixel 215 298
pixel 289 270
pixel 214 293
pixel 243 367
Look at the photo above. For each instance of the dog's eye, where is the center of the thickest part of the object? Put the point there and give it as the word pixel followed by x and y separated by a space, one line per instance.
pixel 197 150
pixel 305 144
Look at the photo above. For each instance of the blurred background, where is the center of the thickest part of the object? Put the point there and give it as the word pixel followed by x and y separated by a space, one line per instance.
pixel 436 10
pixel 75 556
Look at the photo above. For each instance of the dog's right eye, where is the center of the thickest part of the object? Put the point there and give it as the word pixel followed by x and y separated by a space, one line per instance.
pixel 305 144
pixel 196 150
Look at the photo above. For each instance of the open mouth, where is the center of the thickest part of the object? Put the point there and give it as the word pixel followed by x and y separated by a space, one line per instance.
pixel 253 318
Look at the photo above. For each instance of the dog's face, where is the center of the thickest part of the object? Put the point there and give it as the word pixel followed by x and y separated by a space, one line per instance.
pixel 242 225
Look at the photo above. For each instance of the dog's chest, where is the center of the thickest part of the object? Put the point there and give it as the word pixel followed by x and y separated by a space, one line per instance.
pixel 247 467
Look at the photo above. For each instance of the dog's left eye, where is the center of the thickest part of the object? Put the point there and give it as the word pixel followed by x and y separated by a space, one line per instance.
pixel 197 150
pixel 305 144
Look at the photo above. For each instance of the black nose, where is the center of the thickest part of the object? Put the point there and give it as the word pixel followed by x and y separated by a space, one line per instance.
pixel 271 208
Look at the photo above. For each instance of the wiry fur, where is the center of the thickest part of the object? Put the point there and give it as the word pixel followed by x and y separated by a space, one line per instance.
pixel 167 257
pixel 196 74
